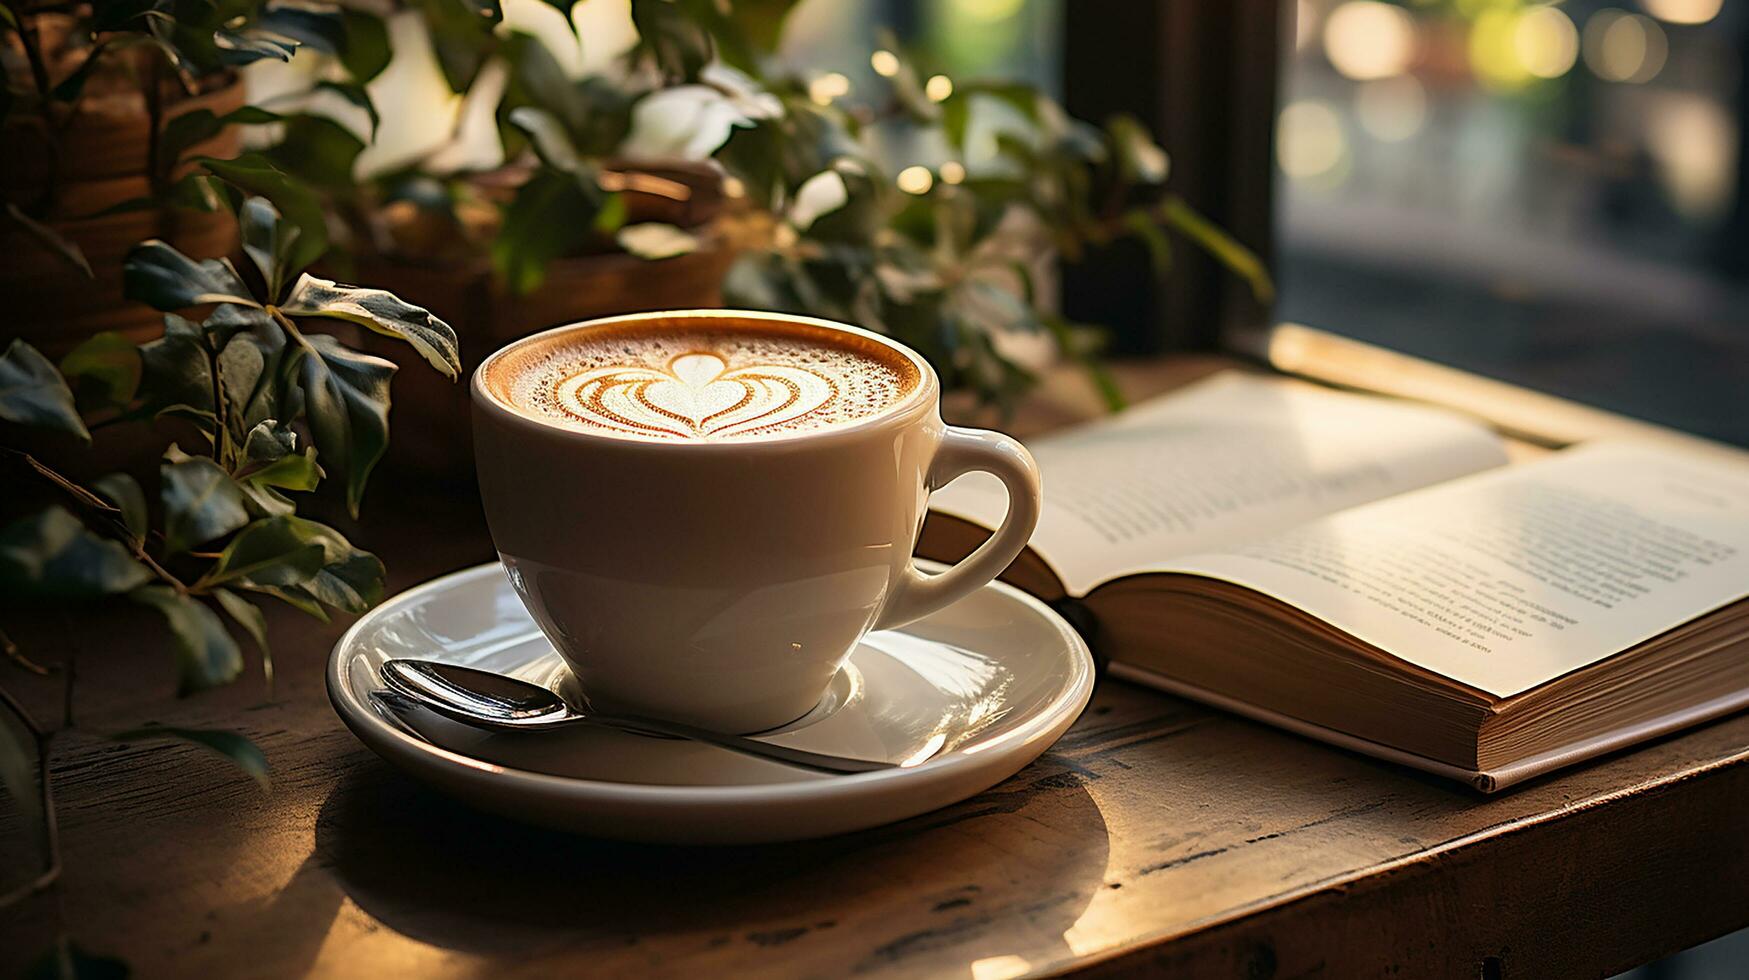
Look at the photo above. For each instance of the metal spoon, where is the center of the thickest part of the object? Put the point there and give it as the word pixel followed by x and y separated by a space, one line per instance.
pixel 487 700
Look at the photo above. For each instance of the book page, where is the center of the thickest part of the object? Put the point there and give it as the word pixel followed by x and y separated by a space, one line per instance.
pixel 1512 578
pixel 1227 459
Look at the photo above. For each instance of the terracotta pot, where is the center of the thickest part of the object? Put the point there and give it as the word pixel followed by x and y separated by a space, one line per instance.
pixel 431 428
pixel 104 155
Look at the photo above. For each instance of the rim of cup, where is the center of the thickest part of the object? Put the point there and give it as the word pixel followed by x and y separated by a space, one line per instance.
pixel 904 411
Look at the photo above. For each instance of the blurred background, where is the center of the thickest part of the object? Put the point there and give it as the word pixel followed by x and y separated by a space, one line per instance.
pixel 1548 193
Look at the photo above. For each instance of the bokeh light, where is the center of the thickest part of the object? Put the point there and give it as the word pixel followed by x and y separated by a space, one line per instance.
pixel 827 87
pixel 1545 41
pixel 915 180
pixel 884 62
pixel 1683 11
pixel 1693 139
pixel 952 172
pixel 1493 50
pixel 1308 140
pixel 1365 39
pixel 987 10
pixel 1623 47
pixel 1391 109
pixel 938 88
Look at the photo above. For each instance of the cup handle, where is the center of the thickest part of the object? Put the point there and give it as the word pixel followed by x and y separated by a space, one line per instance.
pixel 964 451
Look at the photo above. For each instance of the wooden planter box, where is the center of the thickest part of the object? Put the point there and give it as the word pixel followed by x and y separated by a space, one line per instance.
pixel 104 155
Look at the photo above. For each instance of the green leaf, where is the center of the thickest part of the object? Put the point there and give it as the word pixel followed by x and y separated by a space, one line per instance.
pixel 460 38
pixel 51 239
pixel 320 26
pixel 196 192
pixel 1140 160
pixel 350 579
pixel 530 238
pixel 270 551
pixel 612 215
pixel 270 451
pixel 20 770
pixel 346 402
pixel 67 960
pixel 255 174
pixel 239 750
pixel 547 134
pixel 318 151
pixel 228 320
pixel 296 596
pixel 206 656
pixel 248 615
pixel 164 278
pixel 246 47
pixel 671 38
pixel 268 441
pixel 380 311
pixel 124 492
pixel 366 51
pixel 357 95
pixel 104 370
pixel 1073 341
pixel 266 240
pixel 1236 257
pixel 745 32
pixel 1141 223
pixel 198 125
pixel 253 378
pixel 33 393
pixel 201 501
pixel 294 472
pixel 174 370
pixel 52 555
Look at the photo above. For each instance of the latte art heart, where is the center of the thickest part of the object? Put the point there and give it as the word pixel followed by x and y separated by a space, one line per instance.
pixel 696 395
pixel 744 378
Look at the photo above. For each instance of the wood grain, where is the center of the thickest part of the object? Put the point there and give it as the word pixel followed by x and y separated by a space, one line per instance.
pixel 1157 838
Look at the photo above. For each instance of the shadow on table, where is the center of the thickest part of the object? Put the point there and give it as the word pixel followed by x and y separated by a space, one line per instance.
pixel 441 873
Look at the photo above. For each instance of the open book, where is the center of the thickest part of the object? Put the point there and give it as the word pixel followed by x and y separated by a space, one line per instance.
pixel 1373 574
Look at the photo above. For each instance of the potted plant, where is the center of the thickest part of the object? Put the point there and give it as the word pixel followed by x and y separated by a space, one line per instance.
pixel 700 172
pixel 108 107
pixel 254 406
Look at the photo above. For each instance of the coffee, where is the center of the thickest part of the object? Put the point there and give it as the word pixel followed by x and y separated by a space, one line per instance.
pixel 730 379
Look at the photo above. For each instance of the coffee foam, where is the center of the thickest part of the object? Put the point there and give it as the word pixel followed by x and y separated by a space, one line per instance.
pixel 685 381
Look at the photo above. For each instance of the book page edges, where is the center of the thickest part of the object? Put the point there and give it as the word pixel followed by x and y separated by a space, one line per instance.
pixel 1487 781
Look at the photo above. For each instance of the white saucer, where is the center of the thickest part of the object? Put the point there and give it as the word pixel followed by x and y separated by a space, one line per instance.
pixel 979 690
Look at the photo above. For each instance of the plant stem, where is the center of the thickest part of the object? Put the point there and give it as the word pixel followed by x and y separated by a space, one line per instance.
pixel 10 649
pixel 221 422
pixel 39 76
pixel 71 666
pixel 92 502
pixel 39 72
pixel 155 181
pixel 51 830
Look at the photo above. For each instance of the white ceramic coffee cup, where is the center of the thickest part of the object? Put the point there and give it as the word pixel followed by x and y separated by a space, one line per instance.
pixel 723 583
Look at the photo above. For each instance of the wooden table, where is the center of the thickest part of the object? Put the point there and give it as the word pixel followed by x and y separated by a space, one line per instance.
pixel 1157 837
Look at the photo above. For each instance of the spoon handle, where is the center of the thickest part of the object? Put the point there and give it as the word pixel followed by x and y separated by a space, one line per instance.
pixel 400 701
pixel 737 743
